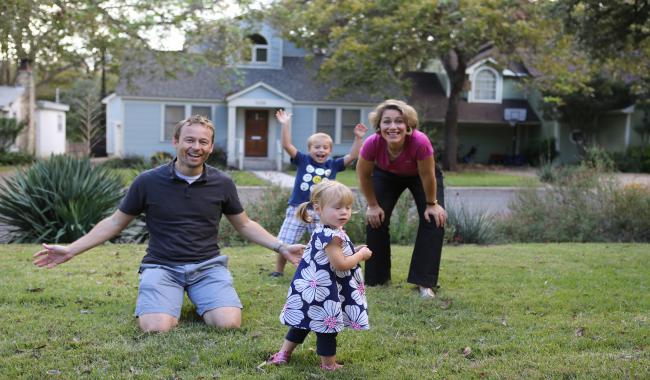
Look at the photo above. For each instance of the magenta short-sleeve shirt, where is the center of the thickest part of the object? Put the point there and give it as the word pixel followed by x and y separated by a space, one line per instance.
pixel 416 147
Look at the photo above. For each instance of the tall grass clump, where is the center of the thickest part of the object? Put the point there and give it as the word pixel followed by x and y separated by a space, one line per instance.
pixel 471 227
pixel 57 200
pixel 585 204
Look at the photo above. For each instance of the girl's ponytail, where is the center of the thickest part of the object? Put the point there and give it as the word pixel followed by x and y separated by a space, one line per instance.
pixel 302 212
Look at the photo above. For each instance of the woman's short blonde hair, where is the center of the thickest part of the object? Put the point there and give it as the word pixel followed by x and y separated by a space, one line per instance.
pixel 408 113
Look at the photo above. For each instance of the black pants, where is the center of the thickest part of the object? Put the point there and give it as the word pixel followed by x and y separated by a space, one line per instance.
pixel 425 262
pixel 325 342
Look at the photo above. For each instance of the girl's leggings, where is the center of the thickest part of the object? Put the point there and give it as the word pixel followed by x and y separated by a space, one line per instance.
pixel 325 342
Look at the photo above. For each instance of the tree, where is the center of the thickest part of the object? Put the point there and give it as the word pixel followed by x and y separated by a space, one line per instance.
pixel 369 44
pixel 93 36
pixel 86 113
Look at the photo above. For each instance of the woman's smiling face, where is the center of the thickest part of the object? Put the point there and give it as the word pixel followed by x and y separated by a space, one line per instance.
pixel 392 126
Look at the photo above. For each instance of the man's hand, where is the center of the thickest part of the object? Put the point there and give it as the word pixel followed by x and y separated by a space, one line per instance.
pixel 52 256
pixel 360 130
pixel 293 253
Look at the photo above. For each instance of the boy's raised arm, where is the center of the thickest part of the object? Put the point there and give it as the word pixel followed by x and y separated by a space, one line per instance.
pixel 359 131
pixel 285 120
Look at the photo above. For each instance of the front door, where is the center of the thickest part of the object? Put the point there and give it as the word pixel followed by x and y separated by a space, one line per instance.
pixel 257 130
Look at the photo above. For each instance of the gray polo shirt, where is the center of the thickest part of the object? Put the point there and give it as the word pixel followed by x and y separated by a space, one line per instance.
pixel 182 218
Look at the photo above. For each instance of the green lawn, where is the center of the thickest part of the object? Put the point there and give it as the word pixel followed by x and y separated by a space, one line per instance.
pixel 524 311
pixel 241 178
pixel 465 178
pixel 4 168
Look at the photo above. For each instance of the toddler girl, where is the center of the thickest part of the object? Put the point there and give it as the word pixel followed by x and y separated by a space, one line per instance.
pixel 327 292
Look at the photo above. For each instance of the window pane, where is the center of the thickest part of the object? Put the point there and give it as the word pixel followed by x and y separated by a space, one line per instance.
pixel 325 122
pixel 260 54
pixel 203 111
pixel 350 119
pixel 173 114
pixel 486 85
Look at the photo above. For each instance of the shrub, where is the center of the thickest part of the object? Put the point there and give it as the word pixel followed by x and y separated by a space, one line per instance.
pixel 15 158
pixel 583 206
pixel 636 159
pixel 128 162
pixel 540 152
pixel 268 211
pixel 218 158
pixel 160 158
pixel 471 227
pixel 57 200
pixel 9 130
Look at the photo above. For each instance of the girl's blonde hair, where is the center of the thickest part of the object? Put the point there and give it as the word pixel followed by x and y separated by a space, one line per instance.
pixel 408 113
pixel 324 194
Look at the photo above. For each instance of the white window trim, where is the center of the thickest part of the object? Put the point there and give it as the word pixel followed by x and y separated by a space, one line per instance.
pixel 187 113
pixel 338 120
pixel 254 54
pixel 471 98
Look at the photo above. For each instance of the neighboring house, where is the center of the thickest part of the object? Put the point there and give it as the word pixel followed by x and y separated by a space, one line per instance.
pixel 44 133
pixel 501 118
pixel 496 116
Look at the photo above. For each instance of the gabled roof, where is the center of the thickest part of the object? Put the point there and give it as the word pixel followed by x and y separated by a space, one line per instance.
pixel 429 98
pixel 296 79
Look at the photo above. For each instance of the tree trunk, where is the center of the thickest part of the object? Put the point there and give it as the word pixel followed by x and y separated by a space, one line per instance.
pixel 455 65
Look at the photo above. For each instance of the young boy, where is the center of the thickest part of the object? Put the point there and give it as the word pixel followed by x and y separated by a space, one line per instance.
pixel 312 168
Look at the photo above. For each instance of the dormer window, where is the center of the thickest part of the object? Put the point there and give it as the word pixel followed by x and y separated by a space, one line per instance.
pixel 486 86
pixel 259 52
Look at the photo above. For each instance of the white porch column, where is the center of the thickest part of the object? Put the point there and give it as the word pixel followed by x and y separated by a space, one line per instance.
pixel 232 129
pixel 628 129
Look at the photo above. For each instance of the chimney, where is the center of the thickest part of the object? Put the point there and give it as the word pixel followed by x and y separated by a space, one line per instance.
pixel 27 138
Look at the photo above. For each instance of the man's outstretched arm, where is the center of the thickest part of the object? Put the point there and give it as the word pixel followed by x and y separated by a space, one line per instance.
pixel 252 231
pixel 53 255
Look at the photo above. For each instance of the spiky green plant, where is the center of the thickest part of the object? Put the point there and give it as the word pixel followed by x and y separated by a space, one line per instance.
pixel 57 200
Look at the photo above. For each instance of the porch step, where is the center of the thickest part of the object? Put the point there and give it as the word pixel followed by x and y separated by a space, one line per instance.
pixel 262 163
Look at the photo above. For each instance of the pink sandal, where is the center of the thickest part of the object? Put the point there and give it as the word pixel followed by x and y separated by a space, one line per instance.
pixel 279 358
pixel 331 367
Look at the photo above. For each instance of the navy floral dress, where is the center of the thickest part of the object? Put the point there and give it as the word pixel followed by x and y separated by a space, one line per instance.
pixel 322 299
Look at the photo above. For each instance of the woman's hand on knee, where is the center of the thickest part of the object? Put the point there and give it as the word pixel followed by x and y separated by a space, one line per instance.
pixel 435 214
pixel 375 216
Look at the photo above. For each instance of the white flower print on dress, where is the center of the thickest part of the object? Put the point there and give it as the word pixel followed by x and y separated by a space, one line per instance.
pixel 326 319
pixel 313 284
pixel 356 318
pixel 291 312
pixel 359 289
pixel 320 256
pixel 307 254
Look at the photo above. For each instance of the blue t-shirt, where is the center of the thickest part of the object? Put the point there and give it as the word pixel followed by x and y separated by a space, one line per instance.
pixel 309 173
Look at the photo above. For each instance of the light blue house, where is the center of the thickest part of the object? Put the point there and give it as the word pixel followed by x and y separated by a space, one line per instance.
pixel 141 115
pixel 498 119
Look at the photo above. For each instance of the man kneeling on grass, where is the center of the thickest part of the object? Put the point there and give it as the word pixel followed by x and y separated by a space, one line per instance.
pixel 183 202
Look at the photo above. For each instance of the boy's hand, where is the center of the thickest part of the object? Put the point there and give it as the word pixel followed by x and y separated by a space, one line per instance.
pixel 360 130
pixel 283 116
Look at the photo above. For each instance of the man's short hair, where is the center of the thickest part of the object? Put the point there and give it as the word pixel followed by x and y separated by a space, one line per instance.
pixel 194 119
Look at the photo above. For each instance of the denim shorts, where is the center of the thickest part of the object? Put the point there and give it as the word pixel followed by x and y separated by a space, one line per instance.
pixel 209 285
